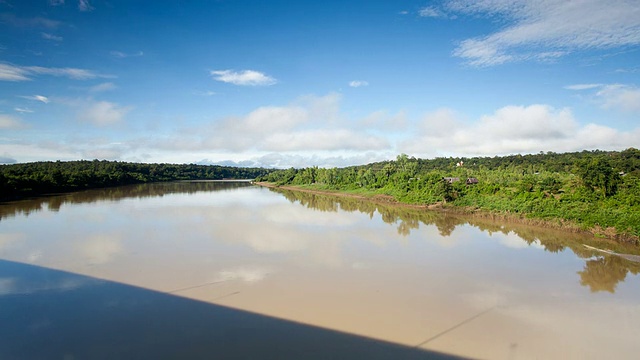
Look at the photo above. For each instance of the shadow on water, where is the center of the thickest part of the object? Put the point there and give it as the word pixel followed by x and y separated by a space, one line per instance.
pixel 602 271
pixel 47 313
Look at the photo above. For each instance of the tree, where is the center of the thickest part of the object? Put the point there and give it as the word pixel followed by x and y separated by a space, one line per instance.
pixel 597 174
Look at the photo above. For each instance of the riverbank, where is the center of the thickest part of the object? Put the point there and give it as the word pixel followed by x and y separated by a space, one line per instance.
pixel 557 223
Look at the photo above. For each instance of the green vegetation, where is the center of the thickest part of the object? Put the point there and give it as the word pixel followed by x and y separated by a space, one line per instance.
pixel 598 191
pixel 19 180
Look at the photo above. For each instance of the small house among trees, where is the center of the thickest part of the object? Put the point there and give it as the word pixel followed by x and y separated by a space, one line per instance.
pixel 472 181
pixel 469 181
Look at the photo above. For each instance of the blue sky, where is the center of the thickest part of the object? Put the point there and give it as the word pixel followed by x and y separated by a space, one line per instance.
pixel 302 83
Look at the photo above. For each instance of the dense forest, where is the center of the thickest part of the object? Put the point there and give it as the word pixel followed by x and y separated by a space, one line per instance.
pixel 19 180
pixel 598 191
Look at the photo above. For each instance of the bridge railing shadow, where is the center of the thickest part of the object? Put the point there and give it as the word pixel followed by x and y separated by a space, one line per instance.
pixel 51 314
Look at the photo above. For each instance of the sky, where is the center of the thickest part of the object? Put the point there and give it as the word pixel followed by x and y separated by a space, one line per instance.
pixel 315 83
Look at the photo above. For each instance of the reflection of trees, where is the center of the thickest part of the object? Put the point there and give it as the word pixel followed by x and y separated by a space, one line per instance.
pixel 406 218
pixel 54 203
pixel 603 273
pixel 446 224
pixel 600 275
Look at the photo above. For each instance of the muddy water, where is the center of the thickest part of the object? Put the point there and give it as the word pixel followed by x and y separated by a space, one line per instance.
pixel 237 270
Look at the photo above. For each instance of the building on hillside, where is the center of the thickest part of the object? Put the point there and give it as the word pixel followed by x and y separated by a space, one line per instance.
pixel 469 181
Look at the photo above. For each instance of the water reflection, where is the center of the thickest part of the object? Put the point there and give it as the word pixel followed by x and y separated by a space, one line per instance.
pixel 605 272
pixel 140 191
pixel 469 286
pixel 600 274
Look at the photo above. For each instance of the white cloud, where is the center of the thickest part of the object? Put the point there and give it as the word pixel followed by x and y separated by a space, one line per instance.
pixel 309 124
pixel 613 96
pixel 11 19
pixel 248 274
pixel 103 87
pixel 72 73
pixel 122 55
pixel 582 86
pixel 40 98
pixel 244 77
pixel 297 160
pixel 358 83
pixel 8 122
pixel 84 5
pixel 23 110
pixel 205 93
pixel 103 113
pixel 385 122
pixel 51 37
pixel 623 97
pixel 100 249
pixel 324 139
pixel 537 29
pixel 511 130
pixel 431 11
pixel 24 73
pixel 13 73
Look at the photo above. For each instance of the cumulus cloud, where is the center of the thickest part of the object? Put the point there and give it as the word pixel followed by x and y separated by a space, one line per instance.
pixel 10 72
pixel 323 139
pixel 385 122
pixel 613 96
pixel 617 96
pixel 513 129
pixel 543 29
pixel 299 160
pixel 308 124
pixel 8 122
pixel 358 83
pixel 103 113
pixel 244 77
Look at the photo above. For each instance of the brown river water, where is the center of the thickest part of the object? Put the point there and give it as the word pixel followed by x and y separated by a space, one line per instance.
pixel 231 270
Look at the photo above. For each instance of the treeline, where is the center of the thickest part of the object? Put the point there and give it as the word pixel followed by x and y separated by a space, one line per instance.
pixel 19 180
pixel 595 190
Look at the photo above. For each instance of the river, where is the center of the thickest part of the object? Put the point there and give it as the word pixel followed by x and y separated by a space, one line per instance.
pixel 233 270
